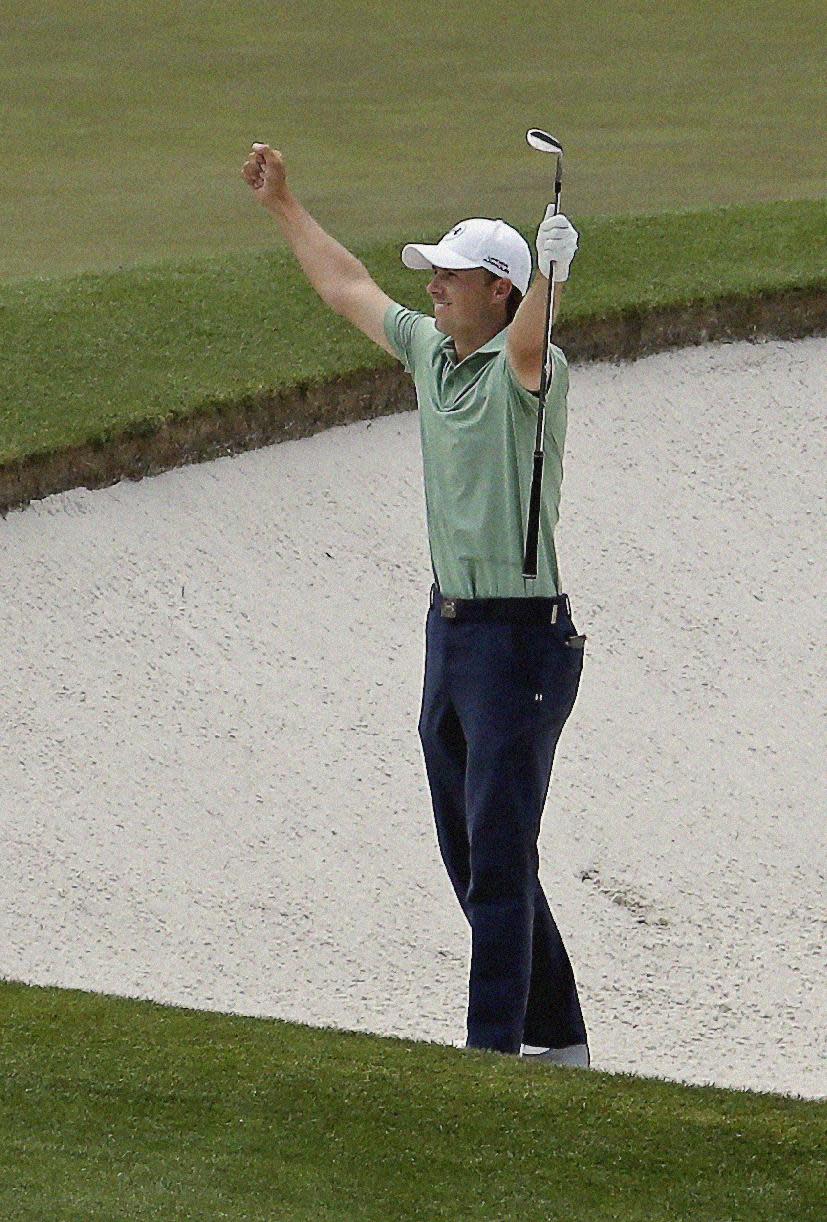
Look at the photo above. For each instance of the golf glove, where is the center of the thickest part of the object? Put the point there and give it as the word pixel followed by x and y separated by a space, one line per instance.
pixel 556 243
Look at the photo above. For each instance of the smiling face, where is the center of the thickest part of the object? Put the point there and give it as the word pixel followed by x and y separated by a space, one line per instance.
pixel 467 299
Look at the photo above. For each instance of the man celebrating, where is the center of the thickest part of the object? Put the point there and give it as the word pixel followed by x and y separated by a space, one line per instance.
pixel 503 659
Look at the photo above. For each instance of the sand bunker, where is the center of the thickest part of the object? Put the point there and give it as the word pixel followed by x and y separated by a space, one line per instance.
pixel 211 782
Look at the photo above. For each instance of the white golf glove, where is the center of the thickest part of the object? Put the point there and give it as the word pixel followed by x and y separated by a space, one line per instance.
pixel 556 243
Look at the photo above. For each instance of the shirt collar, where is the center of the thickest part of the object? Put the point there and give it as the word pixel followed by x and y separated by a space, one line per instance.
pixel 491 348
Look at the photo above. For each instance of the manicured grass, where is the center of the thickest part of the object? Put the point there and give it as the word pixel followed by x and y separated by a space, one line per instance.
pixel 116 1108
pixel 126 125
pixel 87 357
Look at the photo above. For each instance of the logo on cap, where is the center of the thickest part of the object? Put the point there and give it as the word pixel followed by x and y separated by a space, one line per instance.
pixel 498 263
pixel 456 231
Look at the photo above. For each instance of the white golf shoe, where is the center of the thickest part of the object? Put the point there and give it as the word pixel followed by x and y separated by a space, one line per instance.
pixel 573 1055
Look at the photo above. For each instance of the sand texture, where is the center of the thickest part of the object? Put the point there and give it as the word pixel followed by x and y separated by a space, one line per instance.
pixel 212 786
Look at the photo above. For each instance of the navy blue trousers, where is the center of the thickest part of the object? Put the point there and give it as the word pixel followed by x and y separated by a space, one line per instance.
pixel 489 740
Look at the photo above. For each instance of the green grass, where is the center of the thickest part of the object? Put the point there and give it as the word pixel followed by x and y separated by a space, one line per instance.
pixel 85 358
pixel 126 125
pixel 116 1108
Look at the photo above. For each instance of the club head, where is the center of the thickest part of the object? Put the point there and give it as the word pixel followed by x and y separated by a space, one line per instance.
pixel 543 142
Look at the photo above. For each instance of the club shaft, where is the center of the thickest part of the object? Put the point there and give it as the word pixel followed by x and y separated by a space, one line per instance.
pixel 535 499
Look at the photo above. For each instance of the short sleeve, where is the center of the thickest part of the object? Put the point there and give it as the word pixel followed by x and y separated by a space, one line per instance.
pixel 531 398
pixel 406 332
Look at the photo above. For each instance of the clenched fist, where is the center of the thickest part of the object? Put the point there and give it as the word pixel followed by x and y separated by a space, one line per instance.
pixel 264 172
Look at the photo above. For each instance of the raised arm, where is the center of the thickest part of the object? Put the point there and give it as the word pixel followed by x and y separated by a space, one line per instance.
pixel 526 339
pixel 338 277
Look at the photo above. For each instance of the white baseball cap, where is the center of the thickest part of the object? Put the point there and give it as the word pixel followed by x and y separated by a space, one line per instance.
pixel 477 242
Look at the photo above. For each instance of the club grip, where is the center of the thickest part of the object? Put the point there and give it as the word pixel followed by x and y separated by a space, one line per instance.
pixel 533 529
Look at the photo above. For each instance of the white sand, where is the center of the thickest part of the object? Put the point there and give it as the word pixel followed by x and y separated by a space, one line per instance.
pixel 212 786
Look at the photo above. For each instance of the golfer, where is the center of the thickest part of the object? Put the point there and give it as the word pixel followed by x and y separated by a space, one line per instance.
pixel 502 656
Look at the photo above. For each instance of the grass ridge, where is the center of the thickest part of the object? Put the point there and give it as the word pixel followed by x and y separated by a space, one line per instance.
pixel 91 364
pixel 111 1104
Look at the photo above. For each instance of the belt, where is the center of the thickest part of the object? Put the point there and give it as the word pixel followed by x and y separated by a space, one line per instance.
pixel 513 610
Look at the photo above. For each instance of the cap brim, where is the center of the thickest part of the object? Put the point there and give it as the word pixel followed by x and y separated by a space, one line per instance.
pixel 420 257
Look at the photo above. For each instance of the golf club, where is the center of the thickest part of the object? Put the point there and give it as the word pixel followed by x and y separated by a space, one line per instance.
pixel 544 143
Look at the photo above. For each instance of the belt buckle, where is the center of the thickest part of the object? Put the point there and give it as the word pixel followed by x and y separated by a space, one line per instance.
pixel 448 610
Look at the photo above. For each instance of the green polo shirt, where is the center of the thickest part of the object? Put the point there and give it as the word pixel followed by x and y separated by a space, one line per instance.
pixel 478 426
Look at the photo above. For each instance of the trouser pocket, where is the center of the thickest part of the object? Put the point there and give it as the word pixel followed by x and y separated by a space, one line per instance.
pixel 548 662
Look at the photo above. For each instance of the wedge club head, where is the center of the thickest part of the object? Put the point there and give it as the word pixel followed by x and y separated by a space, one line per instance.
pixel 543 142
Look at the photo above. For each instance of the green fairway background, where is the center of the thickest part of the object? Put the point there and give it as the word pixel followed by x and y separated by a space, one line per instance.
pixel 126 124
